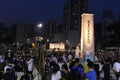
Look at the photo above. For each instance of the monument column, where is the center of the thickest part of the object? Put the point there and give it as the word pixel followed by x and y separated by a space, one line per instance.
pixel 87 36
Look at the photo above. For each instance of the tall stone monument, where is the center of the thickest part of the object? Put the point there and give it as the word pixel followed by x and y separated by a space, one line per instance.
pixel 87 36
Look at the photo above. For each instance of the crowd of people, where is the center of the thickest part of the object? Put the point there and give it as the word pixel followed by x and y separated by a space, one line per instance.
pixel 60 66
pixel 63 66
pixel 16 67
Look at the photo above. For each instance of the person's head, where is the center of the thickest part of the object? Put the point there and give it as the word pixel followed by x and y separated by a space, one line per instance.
pixel 64 67
pixel 8 70
pixel 56 68
pixel 116 58
pixel 88 60
pixel 102 62
pixel 90 65
pixel 76 62
pixel 24 77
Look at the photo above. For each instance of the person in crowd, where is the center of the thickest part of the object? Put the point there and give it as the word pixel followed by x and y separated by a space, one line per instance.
pixel 65 72
pixel 1 74
pixel 64 58
pixel 60 63
pixel 8 75
pixel 30 64
pixel 6 67
pixel 47 66
pixel 86 65
pixel 54 58
pixel 56 73
pixel 24 77
pixel 76 72
pixel 101 70
pixel 20 73
pixel 91 74
pixel 9 55
pixel 96 68
pixel 2 58
pixel 70 57
pixel 116 67
pixel 106 69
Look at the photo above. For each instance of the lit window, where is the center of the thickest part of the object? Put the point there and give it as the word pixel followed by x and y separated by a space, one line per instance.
pixel 74 14
pixel 75 21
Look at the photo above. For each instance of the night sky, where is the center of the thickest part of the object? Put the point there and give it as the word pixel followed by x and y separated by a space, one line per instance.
pixel 35 11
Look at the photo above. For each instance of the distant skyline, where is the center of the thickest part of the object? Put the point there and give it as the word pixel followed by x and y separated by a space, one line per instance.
pixel 97 8
pixel 35 11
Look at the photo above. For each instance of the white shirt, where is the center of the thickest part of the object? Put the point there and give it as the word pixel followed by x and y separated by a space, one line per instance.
pixel 19 75
pixel 60 65
pixel 69 57
pixel 116 66
pixel 64 59
pixel 56 76
pixel 54 59
pixel 30 64
pixel 5 68
pixel 2 58
pixel 100 69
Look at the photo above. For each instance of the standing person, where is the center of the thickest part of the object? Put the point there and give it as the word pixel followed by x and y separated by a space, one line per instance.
pixel 65 72
pixel 60 63
pixel 20 73
pixel 56 74
pixel 64 58
pixel 116 67
pixel 54 58
pixel 2 59
pixel 6 66
pixel 47 66
pixel 1 74
pixel 101 70
pixel 8 75
pixel 91 74
pixel 70 57
pixel 106 69
pixel 24 77
pixel 76 72
pixel 30 64
pixel 86 65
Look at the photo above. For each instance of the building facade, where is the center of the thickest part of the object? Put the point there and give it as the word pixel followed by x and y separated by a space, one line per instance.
pixel 72 13
pixel 73 10
pixel 108 19
pixel 70 31
pixel 50 29
pixel 24 32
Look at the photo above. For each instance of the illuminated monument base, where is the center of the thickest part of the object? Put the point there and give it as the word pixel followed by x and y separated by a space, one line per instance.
pixel 87 36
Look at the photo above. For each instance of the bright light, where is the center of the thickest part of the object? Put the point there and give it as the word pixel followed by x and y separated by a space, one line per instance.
pixel 33 44
pixel 47 40
pixel 60 46
pixel 39 38
pixel 39 25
